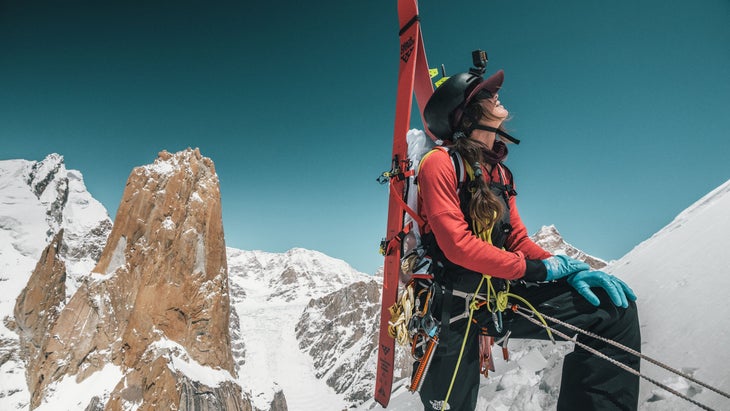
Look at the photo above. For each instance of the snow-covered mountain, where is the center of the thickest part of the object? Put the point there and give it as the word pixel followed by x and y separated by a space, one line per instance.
pixel 269 294
pixel 269 291
pixel 37 199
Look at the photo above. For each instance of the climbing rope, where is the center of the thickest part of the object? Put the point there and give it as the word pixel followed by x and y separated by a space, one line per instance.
pixel 400 316
pixel 638 354
pixel 528 315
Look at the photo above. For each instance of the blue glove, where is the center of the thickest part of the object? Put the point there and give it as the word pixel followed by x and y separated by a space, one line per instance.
pixel 559 266
pixel 617 290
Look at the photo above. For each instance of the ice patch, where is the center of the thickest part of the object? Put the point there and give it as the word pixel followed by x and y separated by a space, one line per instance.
pixel 168 224
pixel 199 256
pixel 163 168
pixel 118 259
pixel 533 361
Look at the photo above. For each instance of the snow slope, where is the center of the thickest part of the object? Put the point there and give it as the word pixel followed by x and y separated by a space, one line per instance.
pixel 277 288
pixel 682 277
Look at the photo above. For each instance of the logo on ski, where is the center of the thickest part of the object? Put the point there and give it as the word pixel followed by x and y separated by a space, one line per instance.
pixel 406 49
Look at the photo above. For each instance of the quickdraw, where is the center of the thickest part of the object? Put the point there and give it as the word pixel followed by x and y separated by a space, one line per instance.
pixel 413 323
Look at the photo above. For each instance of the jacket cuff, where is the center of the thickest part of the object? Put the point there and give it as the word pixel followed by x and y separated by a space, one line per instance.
pixel 535 271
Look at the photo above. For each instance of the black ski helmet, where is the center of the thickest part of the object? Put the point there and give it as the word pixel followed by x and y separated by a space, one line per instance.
pixel 444 109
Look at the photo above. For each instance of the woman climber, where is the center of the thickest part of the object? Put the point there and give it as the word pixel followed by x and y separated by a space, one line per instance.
pixel 479 246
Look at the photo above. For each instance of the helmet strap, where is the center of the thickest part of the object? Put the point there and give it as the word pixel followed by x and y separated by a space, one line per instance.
pixel 494 130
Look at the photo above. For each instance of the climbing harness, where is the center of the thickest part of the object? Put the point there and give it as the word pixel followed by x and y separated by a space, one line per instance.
pixel 472 308
pixel 496 303
pixel 539 319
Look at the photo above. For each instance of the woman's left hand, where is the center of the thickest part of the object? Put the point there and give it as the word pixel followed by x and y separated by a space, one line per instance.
pixel 617 290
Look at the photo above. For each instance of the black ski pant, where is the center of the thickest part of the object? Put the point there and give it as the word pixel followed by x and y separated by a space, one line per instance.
pixel 588 382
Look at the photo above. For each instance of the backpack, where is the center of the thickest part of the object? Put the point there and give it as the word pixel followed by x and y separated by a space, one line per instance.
pixel 414 260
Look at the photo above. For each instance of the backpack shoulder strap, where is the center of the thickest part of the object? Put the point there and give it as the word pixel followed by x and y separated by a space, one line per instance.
pixel 461 169
pixel 506 179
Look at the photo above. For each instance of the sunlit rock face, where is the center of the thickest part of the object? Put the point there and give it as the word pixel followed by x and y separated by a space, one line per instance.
pixel 156 306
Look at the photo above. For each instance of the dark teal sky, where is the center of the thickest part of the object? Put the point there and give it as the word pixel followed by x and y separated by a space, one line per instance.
pixel 622 106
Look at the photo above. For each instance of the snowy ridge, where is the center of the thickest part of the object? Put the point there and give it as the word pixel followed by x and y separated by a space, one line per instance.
pixel 164 165
pixel 550 239
pixel 682 274
pixel 38 199
pixel 295 276
pixel 696 209
pixel 68 394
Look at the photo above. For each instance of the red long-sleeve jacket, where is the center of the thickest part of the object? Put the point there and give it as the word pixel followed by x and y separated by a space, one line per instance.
pixel 440 210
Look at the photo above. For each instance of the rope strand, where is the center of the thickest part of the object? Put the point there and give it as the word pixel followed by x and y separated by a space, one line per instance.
pixel 636 353
pixel 521 311
pixel 400 316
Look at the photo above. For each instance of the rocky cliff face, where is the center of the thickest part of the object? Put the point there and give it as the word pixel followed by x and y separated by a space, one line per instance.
pixel 156 306
pixel 339 331
pixel 39 305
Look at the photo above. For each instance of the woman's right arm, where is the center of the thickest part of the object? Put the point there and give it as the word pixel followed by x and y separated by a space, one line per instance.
pixel 439 206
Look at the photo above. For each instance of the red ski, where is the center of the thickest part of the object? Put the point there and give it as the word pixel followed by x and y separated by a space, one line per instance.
pixel 413 75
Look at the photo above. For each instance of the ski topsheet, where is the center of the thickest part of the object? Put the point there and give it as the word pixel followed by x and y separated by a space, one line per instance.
pixel 413 76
